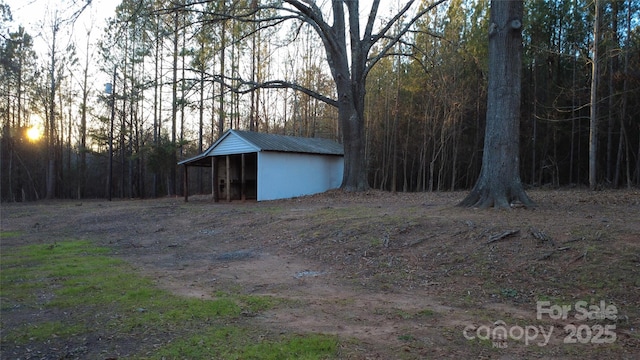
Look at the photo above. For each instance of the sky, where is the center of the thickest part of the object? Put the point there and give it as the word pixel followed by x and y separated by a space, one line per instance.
pixel 35 15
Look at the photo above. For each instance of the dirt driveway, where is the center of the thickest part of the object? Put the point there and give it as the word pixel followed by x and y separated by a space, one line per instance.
pixel 393 275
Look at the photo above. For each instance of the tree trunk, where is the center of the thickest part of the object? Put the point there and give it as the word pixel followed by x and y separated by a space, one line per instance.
pixel 201 121
pixel 112 120
pixel 83 123
pixel 174 107
pixel 156 100
pixel 534 124
pixel 593 123
pixel 573 120
pixel 355 169
pixel 51 169
pixel 223 45
pixel 394 133
pixel 454 162
pixel 350 85
pixel 182 101
pixel 499 183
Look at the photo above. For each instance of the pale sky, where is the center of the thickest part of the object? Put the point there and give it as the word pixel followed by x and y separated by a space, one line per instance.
pixel 32 14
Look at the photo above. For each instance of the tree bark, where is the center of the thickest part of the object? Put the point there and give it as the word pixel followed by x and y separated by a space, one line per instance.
pixel 499 183
pixel 355 169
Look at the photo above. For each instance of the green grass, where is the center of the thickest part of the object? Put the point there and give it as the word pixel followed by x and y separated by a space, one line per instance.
pixel 45 330
pixel 79 289
pixel 406 337
pixel 231 342
pixel 8 234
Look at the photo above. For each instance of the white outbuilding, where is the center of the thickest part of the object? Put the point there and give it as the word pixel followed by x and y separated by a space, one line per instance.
pixel 260 166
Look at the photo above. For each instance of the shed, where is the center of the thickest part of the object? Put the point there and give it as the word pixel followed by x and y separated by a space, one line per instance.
pixel 260 166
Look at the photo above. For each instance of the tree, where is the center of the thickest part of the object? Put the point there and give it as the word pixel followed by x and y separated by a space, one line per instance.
pixel 350 67
pixel 499 183
pixel 51 123
pixel 593 120
pixel 174 102
pixel 349 56
pixel 17 74
pixel 83 120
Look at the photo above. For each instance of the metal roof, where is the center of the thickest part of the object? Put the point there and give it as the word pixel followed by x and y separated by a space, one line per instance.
pixel 283 143
pixel 272 142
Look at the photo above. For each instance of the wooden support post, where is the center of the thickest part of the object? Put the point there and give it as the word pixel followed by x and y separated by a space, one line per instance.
pixel 243 186
pixel 228 180
pixel 186 183
pixel 214 179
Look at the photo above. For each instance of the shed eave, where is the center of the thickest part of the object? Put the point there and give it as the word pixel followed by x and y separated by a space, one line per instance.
pixel 197 160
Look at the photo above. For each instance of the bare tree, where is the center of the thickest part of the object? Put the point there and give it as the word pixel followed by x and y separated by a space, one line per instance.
pixel 350 58
pixel 499 183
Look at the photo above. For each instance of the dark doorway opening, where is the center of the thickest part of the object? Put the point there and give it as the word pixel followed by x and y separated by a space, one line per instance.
pixel 237 176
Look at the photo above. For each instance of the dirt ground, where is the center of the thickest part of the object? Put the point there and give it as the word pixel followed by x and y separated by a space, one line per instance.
pixel 392 275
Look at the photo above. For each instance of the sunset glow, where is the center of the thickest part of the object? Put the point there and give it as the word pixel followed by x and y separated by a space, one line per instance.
pixel 34 133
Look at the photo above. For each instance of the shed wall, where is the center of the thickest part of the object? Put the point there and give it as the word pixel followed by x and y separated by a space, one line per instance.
pixel 297 174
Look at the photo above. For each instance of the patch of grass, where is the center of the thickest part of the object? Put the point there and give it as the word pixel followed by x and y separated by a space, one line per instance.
pixel 230 342
pixel 406 337
pixel 44 331
pixel 375 242
pixel 483 343
pixel 255 304
pixel 426 313
pixel 98 294
pixel 402 314
pixel 509 292
pixel 9 234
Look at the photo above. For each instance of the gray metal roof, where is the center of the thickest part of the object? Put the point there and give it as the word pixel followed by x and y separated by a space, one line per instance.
pixel 272 142
pixel 283 143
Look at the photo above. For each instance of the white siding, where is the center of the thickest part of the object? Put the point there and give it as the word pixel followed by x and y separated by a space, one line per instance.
pixel 233 144
pixel 285 175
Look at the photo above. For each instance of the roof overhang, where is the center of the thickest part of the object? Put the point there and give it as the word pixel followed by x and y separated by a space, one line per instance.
pixel 200 160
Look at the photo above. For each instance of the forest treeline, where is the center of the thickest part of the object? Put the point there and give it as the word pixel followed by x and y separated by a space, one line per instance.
pixel 180 75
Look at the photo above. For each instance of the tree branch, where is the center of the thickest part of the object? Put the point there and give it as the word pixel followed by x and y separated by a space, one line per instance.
pixel 247 86
pixel 395 38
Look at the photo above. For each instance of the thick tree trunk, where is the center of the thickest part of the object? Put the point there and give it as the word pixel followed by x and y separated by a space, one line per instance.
pixel 499 183
pixel 355 168
pixel 350 86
